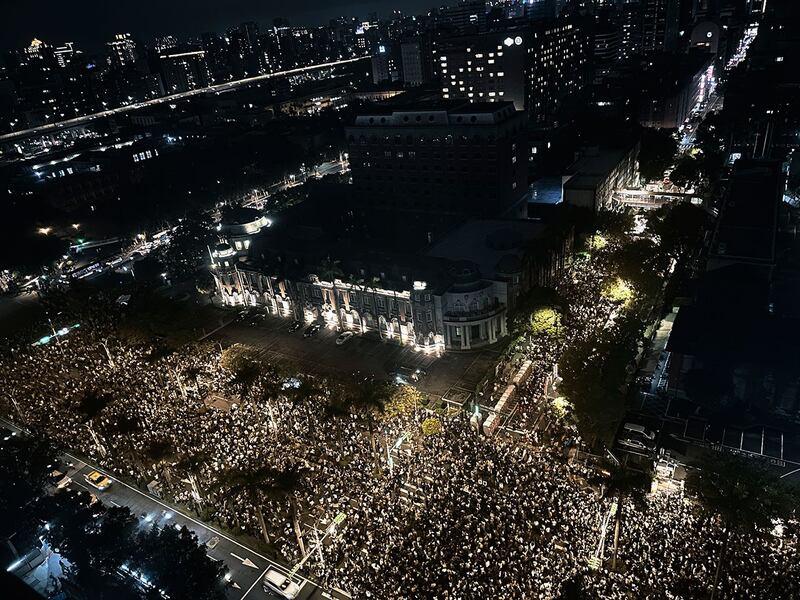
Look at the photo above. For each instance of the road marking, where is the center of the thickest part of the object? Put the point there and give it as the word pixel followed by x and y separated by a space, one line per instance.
pixel 245 561
pixel 83 486
pixel 278 566
pixel 114 503
pixel 250 589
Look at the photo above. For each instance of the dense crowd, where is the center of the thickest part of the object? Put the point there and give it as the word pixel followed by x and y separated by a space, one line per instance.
pixel 457 515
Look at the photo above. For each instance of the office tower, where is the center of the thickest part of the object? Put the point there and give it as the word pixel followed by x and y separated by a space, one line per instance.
pixel 416 56
pixel 385 66
pixel 452 158
pixel 660 25
pixel 468 16
pixel 183 71
pixel 534 67
pixel 630 23
pixel 64 54
pixel 122 51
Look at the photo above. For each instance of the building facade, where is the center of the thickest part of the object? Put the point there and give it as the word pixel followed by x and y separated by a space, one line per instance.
pixel 183 71
pixel 535 67
pixel 453 158
pixel 431 302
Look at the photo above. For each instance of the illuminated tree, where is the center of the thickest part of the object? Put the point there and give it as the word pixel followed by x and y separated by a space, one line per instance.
pixel 403 401
pixel 619 291
pixel 545 322
pixel 431 426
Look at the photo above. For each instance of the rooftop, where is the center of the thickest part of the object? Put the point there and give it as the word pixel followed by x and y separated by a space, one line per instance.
pixel 494 246
pixel 747 226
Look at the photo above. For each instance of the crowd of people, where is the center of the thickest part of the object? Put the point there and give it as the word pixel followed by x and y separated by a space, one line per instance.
pixel 459 515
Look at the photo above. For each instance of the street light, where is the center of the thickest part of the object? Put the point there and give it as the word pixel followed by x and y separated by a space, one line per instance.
pixel 44 230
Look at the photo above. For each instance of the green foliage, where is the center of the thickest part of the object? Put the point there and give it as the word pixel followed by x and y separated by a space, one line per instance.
pixel 688 172
pixel 177 564
pixel 431 426
pixel 618 290
pixel 641 262
pixel 403 401
pixel 745 493
pixel 25 467
pixel 658 149
pixel 613 224
pixel 545 322
pixel 679 227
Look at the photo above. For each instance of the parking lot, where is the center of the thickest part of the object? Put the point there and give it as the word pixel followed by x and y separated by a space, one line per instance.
pixel 453 374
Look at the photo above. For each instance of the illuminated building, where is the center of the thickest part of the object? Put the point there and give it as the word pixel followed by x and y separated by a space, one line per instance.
pixel 456 294
pixel 660 25
pixel 122 51
pixel 534 67
pixel 468 16
pixel 184 70
pixel 64 54
pixel 385 67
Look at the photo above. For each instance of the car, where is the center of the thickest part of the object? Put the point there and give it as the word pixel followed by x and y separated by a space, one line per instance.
pixel 295 326
pixel 312 329
pixel 408 374
pixel 344 337
pixel 639 429
pixel 279 584
pixel 638 444
pixel 97 480
pixel 63 482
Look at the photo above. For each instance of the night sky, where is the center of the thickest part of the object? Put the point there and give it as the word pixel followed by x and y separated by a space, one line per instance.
pixel 89 24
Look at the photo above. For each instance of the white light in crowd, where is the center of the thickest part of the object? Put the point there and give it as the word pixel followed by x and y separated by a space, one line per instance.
pixel 508 41
pixel 44 230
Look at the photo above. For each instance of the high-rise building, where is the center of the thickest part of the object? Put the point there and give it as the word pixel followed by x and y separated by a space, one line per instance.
pixel 247 58
pixel 183 71
pixel 385 66
pixel 37 50
pixel 630 26
pixel 486 68
pixel 64 54
pixel 217 50
pixel 122 51
pixel 416 56
pixel 452 158
pixel 468 16
pixel 660 25
pixel 534 67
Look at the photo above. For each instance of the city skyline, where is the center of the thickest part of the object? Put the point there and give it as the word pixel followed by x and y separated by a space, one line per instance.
pixel 55 22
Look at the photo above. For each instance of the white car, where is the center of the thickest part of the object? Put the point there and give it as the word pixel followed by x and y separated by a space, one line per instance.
pixel 344 337
pixel 634 444
pixel 277 583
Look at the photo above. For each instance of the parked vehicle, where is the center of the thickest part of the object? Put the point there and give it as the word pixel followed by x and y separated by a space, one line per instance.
pixel 312 329
pixel 277 583
pixel 344 337
pixel 640 429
